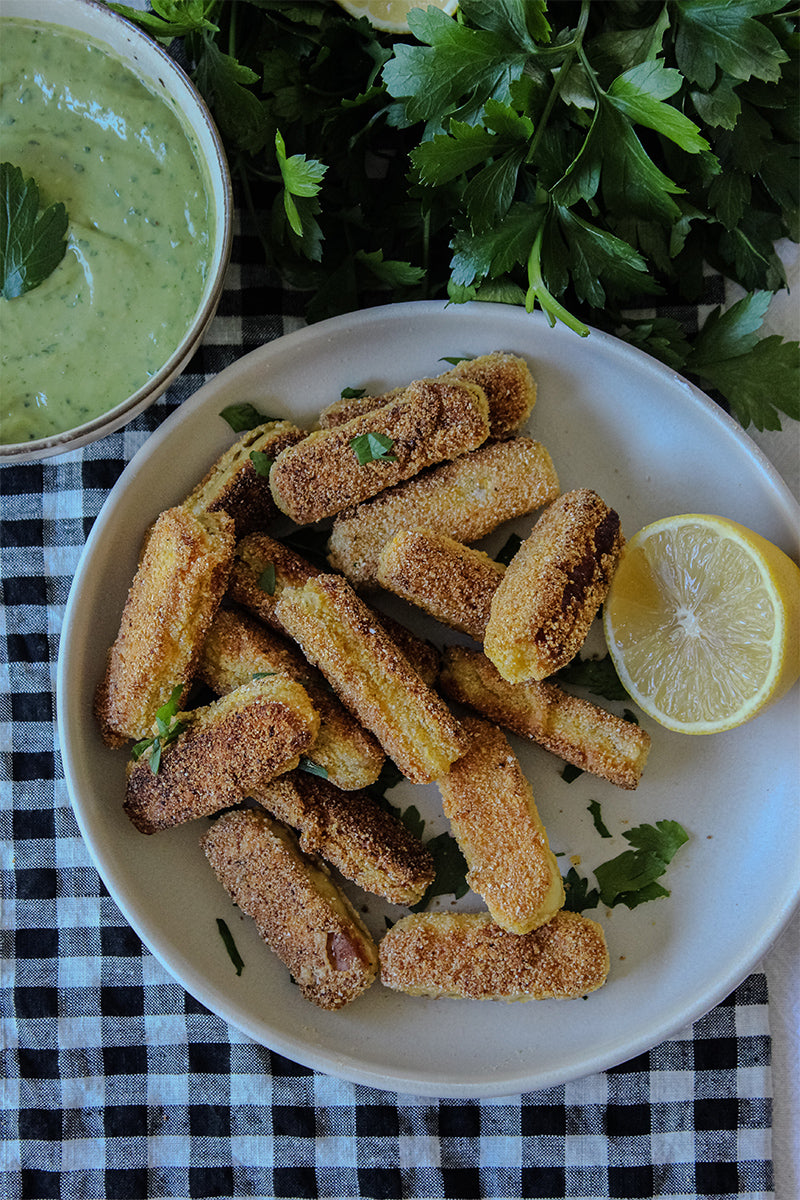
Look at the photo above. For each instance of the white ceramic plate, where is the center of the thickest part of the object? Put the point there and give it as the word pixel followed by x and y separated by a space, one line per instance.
pixel 650 444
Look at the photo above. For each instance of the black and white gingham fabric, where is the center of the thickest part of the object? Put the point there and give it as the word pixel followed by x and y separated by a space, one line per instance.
pixel 116 1083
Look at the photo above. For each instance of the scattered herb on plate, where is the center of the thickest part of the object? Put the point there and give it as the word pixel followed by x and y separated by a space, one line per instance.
pixel 230 945
pixel 372 447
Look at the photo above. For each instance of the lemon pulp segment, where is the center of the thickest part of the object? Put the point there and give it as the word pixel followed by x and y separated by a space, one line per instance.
pixel 702 622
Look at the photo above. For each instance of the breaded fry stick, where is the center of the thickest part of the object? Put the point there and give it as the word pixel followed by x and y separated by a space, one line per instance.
pixel 467 956
pixel 177 588
pixel 574 729
pixel 464 499
pixel 429 422
pixel 505 378
pixel 352 832
pixel 452 582
pixel 493 815
pixel 262 568
pixel 233 485
pixel 371 676
pixel 298 910
pixel 510 388
pixel 227 749
pixel 553 587
pixel 237 647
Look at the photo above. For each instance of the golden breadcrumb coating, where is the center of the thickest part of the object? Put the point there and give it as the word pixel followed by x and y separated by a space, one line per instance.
pixel 467 956
pixel 553 587
pixel 430 422
pixel 451 582
pixel 493 816
pixel 180 581
pixel 262 568
pixel 233 485
pixel 258 553
pixel 238 647
pixel 227 749
pixel 352 832
pixel 576 730
pixel 464 499
pixel 372 677
pixel 298 910
pixel 509 386
pixel 505 378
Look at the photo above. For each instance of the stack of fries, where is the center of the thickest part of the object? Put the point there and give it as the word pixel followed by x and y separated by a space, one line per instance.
pixel 313 688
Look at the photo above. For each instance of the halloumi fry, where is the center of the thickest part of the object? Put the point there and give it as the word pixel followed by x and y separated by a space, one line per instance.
pixel 299 912
pixel 553 587
pixel 237 647
pixel 449 581
pixel 467 956
pixel 493 816
pixel 227 749
pixel 371 676
pixel 234 484
pixel 464 499
pixel 428 423
pixel 180 581
pixel 576 730
pixel 505 378
pixel 351 831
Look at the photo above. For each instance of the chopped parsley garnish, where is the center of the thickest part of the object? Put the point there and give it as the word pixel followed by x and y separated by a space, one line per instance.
pixel 242 417
pixel 508 549
pixel 594 809
pixel 32 240
pixel 266 580
pixel 312 768
pixel 597 675
pixel 631 878
pixel 373 447
pixel 230 945
pixel 351 393
pixel 261 462
pixel 168 728
pixel 451 871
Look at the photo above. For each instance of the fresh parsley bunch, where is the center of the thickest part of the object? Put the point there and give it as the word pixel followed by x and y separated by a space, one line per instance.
pixel 588 158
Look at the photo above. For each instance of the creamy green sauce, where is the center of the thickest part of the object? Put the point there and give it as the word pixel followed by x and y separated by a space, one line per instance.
pixel 139 243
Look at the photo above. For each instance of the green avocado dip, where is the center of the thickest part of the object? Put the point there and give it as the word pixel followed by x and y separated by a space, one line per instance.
pixel 139 242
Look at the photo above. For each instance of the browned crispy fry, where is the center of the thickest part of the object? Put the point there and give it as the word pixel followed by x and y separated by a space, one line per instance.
pixel 180 581
pixel 452 582
pixel 468 956
pixel 553 587
pixel 464 499
pixel 237 647
pixel 574 729
pixel 226 750
pixel 234 485
pixel 372 677
pixel 430 422
pixel 352 832
pixel 493 815
pixel 262 568
pixel 258 553
pixel 297 908
pixel 505 378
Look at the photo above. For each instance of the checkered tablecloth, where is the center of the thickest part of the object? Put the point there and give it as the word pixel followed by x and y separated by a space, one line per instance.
pixel 117 1083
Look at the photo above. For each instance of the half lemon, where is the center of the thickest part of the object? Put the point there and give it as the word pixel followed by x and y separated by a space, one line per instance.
pixel 702 622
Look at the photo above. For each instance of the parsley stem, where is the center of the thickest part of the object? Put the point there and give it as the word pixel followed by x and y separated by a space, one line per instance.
pixel 573 47
pixel 538 291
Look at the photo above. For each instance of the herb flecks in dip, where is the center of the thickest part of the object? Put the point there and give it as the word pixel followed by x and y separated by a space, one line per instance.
pixel 139 244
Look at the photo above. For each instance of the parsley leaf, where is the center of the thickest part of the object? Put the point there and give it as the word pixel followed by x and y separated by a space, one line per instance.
pixel 267 579
pixel 451 871
pixel 262 463
pixel 599 824
pixel 242 417
pixel 32 241
pixel 597 675
pixel 372 447
pixel 230 945
pixel 630 878
pixel 578 895
pixel 167 728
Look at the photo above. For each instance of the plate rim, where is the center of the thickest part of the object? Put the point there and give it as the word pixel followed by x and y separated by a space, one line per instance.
pixel 343 1065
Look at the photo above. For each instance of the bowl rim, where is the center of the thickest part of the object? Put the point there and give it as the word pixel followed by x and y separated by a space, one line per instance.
pixel 63 13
